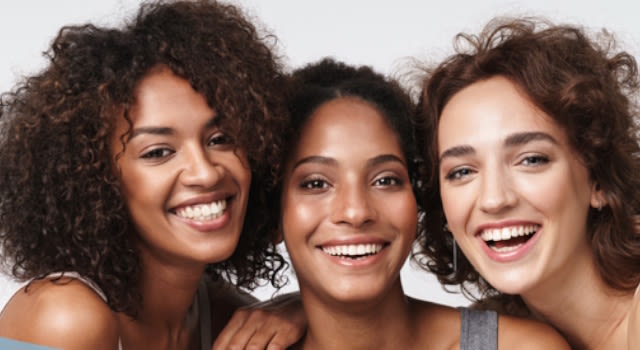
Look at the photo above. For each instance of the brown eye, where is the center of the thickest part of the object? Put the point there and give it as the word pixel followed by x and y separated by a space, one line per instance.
pixel 157 153
pixel 314 184
pixel 219 139
pixel 388 181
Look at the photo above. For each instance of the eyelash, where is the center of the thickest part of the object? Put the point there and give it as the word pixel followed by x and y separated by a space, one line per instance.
pixel 154 153
pixel 215 139
pixel 457 174
pixel 392 181
pixel 314 184
pixel 534 160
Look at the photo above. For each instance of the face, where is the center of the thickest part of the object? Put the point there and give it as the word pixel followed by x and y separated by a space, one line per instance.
pixel 349 213
pixel 185 186
pixel 514 193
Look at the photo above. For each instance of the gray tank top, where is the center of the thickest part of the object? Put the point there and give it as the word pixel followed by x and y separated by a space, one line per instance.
pixel 478 329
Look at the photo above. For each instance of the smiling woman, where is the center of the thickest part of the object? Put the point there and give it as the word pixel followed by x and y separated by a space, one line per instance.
pixel 139 160
pixel 533 141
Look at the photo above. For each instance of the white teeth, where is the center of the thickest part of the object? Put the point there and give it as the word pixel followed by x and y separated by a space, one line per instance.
pixel 506 233
pixel 352 249
pixel 203 212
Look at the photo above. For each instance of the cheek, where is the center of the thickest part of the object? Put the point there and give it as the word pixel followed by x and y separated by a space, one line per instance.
pixel 555 192
pixel 405 211
pixel 299 215
pixel 457 205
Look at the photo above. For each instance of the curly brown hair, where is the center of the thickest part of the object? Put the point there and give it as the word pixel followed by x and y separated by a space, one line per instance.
pixel 61 206
pixel 588 89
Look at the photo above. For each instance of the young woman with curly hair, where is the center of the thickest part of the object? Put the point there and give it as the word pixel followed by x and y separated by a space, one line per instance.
pixel 533 143
pixel 133 180
pixel 350 218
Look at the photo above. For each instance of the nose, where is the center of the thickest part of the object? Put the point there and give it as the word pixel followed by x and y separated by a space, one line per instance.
pixel 200 169
pixel 496 192
pixel 352 206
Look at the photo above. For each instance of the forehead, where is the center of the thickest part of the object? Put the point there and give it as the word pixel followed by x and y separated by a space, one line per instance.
pixel 489 111
pixel 342 124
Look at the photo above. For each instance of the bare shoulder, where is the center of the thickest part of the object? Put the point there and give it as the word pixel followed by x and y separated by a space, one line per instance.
pixel 225 299
pixel 66 314
pixel 436 325
pixel 514 332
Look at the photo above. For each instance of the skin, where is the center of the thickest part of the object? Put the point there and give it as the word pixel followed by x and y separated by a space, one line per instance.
pixel 347 183
pixel 168 167
pixel 505 163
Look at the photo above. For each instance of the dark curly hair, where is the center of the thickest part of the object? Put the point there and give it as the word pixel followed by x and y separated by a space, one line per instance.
pixel 61 206
pixel 327 79
pixel 589 90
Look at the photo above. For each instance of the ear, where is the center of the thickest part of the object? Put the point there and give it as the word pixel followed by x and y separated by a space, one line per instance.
pixel 598 201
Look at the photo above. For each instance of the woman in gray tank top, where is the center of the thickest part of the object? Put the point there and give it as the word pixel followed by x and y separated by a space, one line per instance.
pixel 349 219
pixel 533 137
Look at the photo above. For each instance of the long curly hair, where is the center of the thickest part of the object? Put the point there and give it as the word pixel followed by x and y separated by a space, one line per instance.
pixel 61 206
pixel 588 89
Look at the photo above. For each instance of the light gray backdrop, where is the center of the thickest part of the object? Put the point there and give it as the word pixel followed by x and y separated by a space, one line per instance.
pixel 384 34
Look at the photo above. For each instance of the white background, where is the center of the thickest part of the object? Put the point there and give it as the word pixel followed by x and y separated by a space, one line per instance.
pixel 384 34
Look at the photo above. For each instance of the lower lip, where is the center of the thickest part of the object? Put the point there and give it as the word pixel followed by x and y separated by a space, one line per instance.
pixel 209 225
pixel 360 262
pixel 513 255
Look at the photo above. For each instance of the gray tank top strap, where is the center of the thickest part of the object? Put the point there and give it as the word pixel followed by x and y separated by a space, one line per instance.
pixel 89 283
pixel 478 329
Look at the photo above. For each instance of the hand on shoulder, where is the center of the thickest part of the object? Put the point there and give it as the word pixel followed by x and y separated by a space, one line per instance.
pixel 65 314
pixel 273 324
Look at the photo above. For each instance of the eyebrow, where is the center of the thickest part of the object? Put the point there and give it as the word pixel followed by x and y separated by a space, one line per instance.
pixel 315 159
pixel 159 130
pixel 384 158
pixel 375 161
pixel 516 139
pixel 522 138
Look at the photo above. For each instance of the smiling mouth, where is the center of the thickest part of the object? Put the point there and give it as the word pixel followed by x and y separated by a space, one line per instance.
pixel 508 239
pixel 204 211
pixel 353 251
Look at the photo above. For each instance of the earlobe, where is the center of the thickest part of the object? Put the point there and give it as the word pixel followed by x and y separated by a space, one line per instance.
pixel 598 200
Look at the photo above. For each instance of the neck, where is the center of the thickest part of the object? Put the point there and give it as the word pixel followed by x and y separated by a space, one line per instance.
pixel 384 323
pixel 580 305
pixel 168 293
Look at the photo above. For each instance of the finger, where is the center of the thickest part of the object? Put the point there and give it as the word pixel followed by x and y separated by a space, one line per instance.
pixel 260 339
pixel 236 322
pixel 255 320
pixel 285 338
pixel 275 335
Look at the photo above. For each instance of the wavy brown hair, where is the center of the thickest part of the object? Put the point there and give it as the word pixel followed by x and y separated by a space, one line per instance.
pixel 589 89
pixel 61 206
